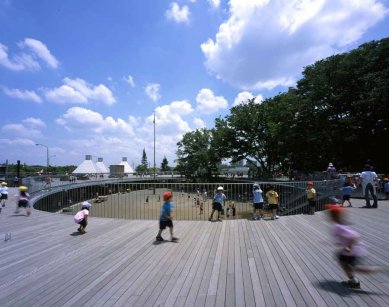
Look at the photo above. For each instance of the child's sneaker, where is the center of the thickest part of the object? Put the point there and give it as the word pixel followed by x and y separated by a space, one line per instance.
pixel 352 284
pixel 210 219
pixel 174 239
pixel 276 217
pixel 159 238
pixel 219 219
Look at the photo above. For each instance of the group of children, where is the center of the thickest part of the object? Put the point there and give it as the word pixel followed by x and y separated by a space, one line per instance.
pixel 258 202
pixel 350 248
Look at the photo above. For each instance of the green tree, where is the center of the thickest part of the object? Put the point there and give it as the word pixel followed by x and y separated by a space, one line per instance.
pixel 143 166
pixel 197 157
pixel 164 165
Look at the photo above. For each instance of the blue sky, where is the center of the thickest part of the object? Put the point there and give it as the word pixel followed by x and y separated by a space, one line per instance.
pixel 84 77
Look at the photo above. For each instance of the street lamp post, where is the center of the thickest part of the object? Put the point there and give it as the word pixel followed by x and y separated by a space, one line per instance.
pixel 154 144
pixel 47 156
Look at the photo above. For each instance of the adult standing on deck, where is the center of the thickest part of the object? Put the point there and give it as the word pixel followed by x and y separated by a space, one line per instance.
pixel 369 178
pixel 331 171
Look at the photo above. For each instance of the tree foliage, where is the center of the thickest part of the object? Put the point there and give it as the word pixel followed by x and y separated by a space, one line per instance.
pixel 197 155
pixel 164 165
pixel 337 112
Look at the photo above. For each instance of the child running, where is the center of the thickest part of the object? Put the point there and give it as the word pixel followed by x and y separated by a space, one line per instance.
pixel 4 194
pixel 257 202
pixel 81 217
pixel 272 199
pixel 166 217
pixel 23 200
pixel 217 204
pixel 351 249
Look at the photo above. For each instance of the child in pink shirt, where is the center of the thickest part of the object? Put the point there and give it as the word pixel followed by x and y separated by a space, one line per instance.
pixel 81 217
pixel 351 249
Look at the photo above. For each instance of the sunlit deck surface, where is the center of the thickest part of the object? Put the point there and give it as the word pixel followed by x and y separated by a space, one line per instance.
pixel 287 262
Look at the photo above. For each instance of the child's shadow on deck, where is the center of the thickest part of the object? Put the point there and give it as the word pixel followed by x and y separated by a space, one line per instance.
pixel 76 233
pixel 336 287
pixel 164 241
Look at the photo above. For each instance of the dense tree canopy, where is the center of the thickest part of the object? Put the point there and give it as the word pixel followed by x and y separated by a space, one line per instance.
pixel 338 112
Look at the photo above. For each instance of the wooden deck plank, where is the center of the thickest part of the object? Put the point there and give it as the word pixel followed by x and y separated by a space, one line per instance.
pixel 233 263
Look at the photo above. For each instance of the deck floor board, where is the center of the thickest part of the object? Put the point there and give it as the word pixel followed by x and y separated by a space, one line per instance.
pixel 287 262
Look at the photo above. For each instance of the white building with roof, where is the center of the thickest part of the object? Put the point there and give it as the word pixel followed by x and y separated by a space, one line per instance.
pixel 127 167
pixel 87 167
pixel 101 166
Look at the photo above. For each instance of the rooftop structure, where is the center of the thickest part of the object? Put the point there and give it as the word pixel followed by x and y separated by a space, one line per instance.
pixel 87 167
pixel 127 168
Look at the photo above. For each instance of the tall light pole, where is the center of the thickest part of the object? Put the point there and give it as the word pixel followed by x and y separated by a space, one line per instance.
pixel 47 156
pixel 154 144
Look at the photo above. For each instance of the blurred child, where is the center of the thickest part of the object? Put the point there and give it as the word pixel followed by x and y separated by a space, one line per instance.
pixel 217 204
pixel 81 217
pixel 166 217
pixel 4 194
pixel 386 187
pixel 233 209
pixel 201 207
pixel 311 195
pixel 257 202
pixel 23 200
pixel 346 191
pixel 351 249
pixel 272 199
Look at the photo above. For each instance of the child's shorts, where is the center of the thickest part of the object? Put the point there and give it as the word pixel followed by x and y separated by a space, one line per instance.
pixel 350 260
pixel 217 206
pixel 258 205
pixel 346 197
pixel 164 224
pixel 24 203
pixel 4 196
pixel 273 206
pixel 312 203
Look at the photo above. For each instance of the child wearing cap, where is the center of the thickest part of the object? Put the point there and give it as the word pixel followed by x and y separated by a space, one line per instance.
pixel 4 194
pixel 217 204
pixel 311 195
pixel 23 200
pixel 257 202
pixel 351 249
pixel 81 217
pixel 166 217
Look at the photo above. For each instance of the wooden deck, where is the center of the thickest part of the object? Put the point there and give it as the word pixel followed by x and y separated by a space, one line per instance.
pixel 287 262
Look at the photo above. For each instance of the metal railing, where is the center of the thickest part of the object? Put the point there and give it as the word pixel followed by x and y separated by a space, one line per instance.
pixel 132 199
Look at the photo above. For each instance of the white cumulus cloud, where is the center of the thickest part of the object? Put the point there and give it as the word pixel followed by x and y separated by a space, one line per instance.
pixel 177 14
pixel 214 3
pixel 21 131
pixel 22 94
pixel 199 123
pixel 81 119
pixel 208 103
pixel 34 52
pixel 79 91
pixel 130 80
pixel 34 122
pixel 152 90
pixel 265 44
pixel 243 97
pixel 41 51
